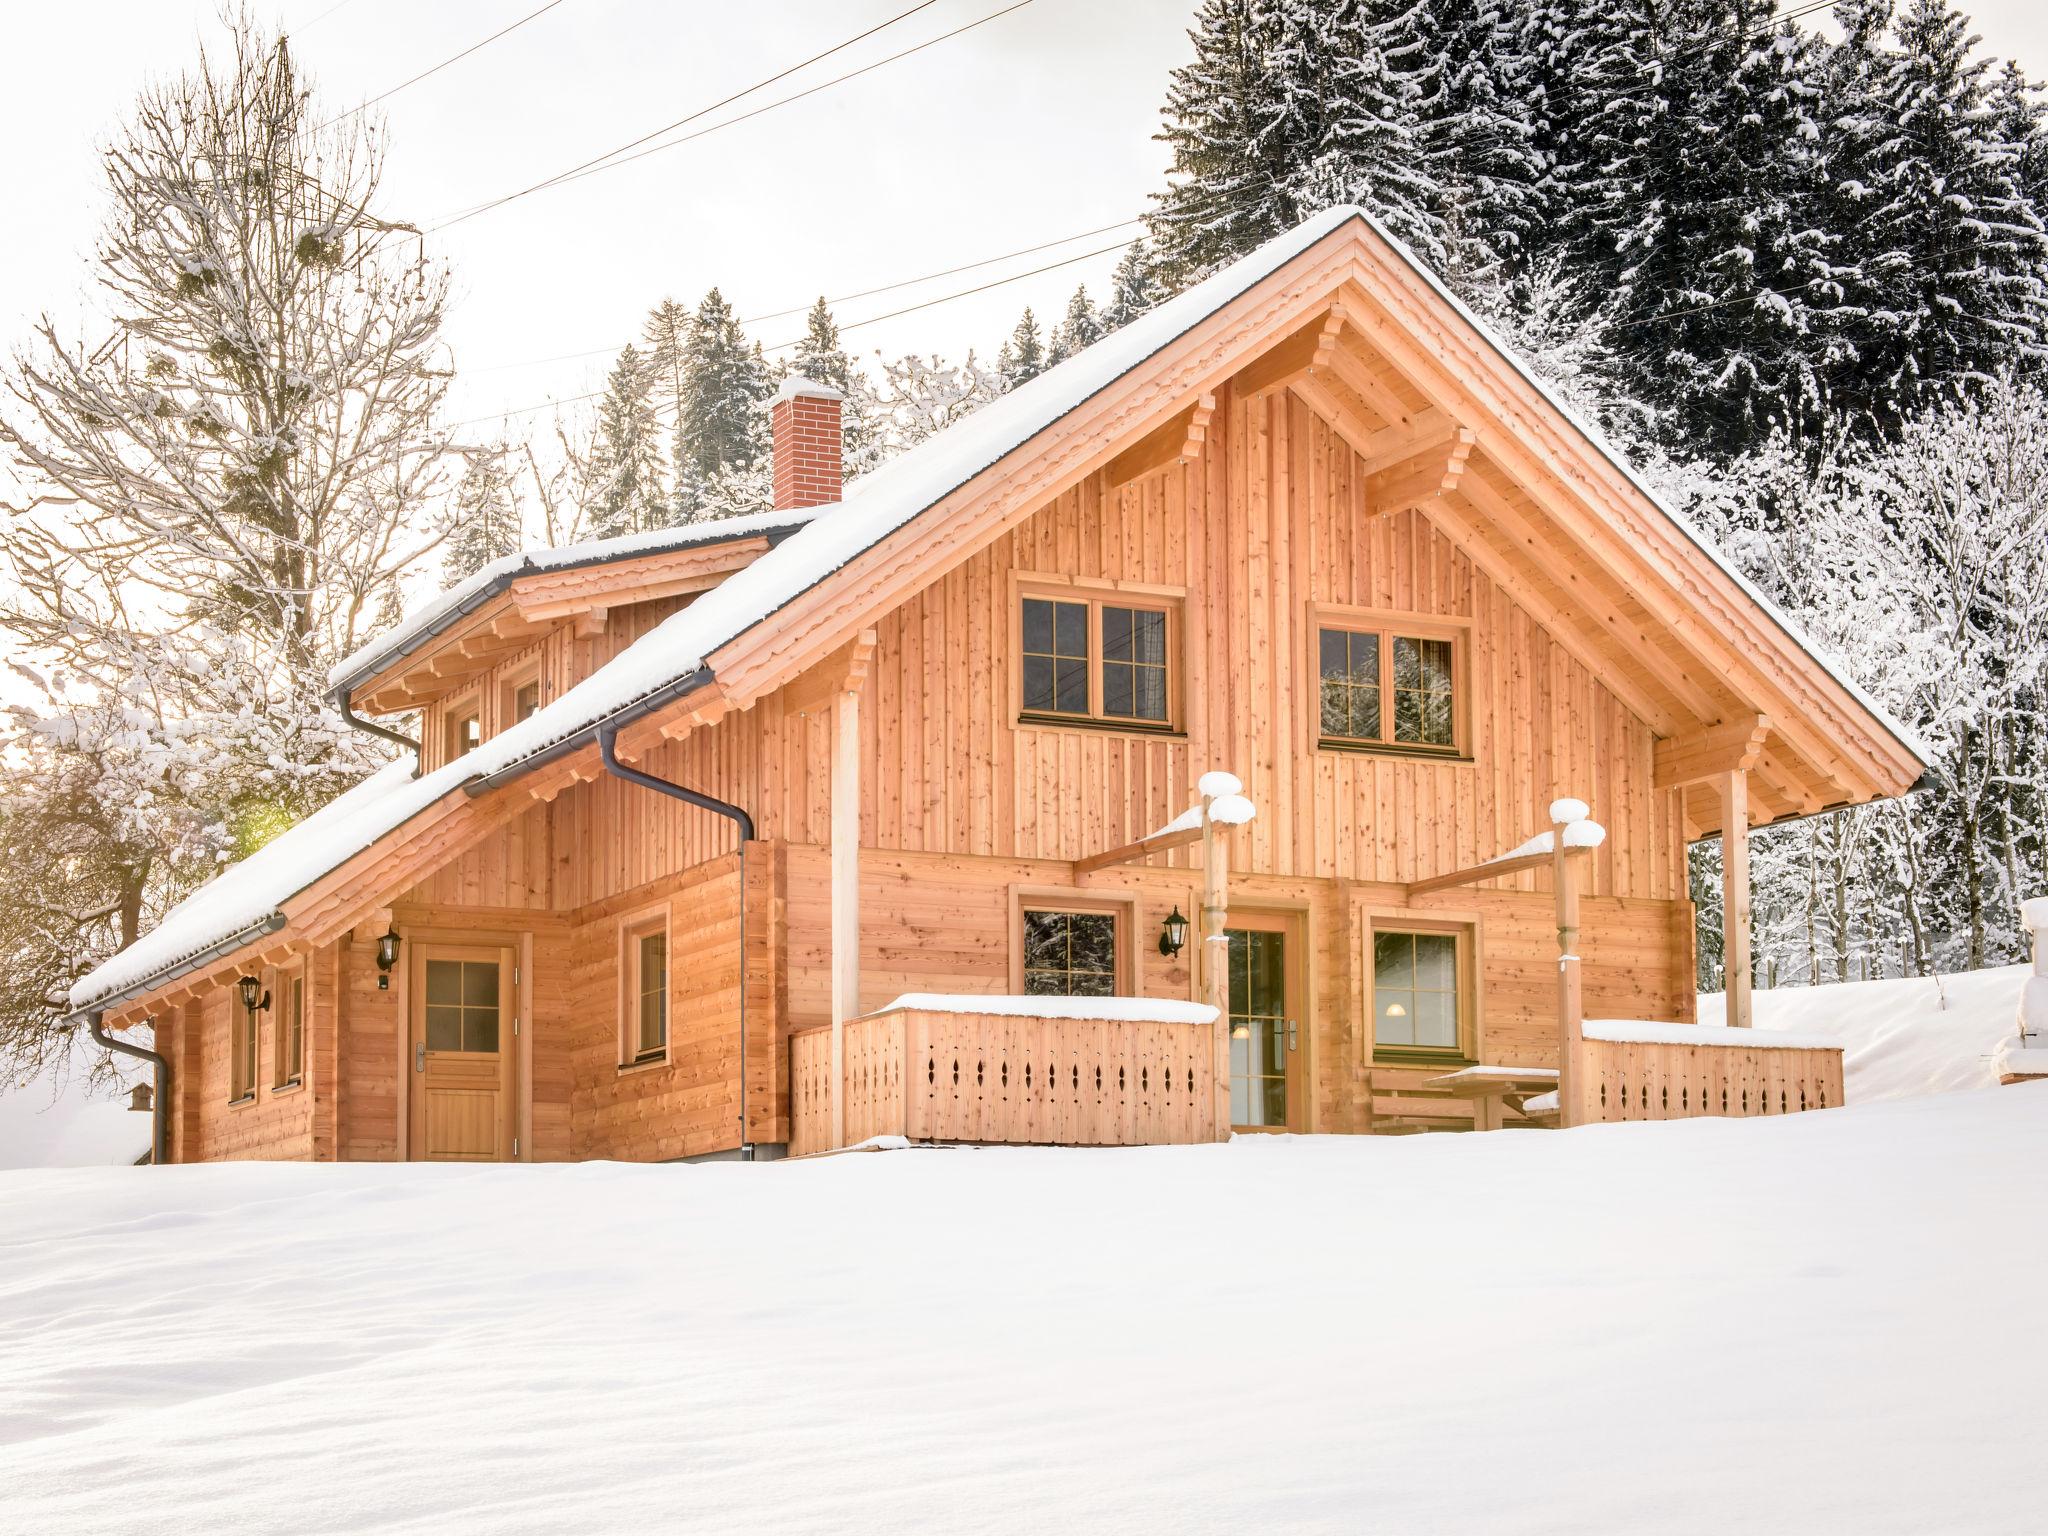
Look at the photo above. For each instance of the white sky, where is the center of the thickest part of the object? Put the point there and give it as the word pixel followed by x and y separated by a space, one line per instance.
pixel 1035 126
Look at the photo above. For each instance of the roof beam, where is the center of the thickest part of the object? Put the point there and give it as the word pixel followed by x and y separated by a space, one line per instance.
pixel 1308 348
pixel 1427 472
pixel 1178 441
pixel 1730 746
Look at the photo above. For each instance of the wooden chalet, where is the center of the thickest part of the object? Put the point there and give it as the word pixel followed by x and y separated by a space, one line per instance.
pixel 1281 716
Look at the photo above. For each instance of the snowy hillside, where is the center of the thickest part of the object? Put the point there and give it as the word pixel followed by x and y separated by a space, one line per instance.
pixel 1692 1326
pixel 45 1125
pixel 1901 1037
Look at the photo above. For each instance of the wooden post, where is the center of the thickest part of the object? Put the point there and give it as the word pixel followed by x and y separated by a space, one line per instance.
pixel 1216 956
pixel 845 892
pixel 1571 1006
pixel 1734 790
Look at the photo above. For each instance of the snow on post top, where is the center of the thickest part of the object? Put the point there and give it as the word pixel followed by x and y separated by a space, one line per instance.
pixel 2034 914
pixel 1569 810
pixel 1231 810
pixel 1216 783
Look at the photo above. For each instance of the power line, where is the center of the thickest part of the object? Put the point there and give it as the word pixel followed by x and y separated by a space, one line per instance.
pixel 783 346
pixel 759 85
pixel 453 59
pixel 614 164
pixel 842 298
pixel 339 5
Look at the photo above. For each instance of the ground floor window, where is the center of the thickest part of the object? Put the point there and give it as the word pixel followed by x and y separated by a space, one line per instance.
pixel 1069 953
pixel 288 1026
pixel 643 965
pixel 241 1049
pixel 1419 992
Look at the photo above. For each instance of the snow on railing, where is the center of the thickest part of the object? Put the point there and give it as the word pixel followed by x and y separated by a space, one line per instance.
pixel 2024 1054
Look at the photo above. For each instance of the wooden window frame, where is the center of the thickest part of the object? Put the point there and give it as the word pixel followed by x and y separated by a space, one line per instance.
pixel 519 677
pixel 240 1019
pixel 1386 625
pixel 632 928
pixel 1466 929
pixel 283 980
pixel 1047 898
pixel 1097 595
pixel 467 705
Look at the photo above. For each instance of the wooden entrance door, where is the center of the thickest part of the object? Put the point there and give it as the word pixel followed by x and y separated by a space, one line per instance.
pixel 1267 1024
pixel 464 1017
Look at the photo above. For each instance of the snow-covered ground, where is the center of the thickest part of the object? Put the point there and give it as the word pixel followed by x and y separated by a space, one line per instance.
pixel 1809 1324
pixel 1901 1037
pixel 52 1124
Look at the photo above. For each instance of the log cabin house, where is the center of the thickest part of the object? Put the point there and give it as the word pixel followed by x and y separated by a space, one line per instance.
pixel 1155 753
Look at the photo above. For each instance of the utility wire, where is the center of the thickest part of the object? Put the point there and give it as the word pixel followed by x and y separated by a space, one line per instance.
pixel 598 160
pixel 423 74
pixel 842 298
pixel 784 346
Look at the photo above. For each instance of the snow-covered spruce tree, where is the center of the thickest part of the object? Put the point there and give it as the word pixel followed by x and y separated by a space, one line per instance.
pixel 921 396
pixel 484 520
pixel 820 356
pixel 2022 122
pixel 1079 328
pixel 1950 252
pixel 664 334
pixel 225 475
pixel 1023 356
pixel 1705 216
pixel 1561 66
pixel 1134 287
pixel 627 494
pixel 721 428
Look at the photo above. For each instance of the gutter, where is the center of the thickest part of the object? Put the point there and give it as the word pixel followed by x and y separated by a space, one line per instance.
pixel 160 1105
pixel 183 966
pixel 341 702
pixel 607 740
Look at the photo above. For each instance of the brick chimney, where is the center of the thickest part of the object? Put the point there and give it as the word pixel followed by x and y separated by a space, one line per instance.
pixel 804 425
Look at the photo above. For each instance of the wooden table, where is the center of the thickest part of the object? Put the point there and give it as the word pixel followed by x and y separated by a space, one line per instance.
pixel 1492 1090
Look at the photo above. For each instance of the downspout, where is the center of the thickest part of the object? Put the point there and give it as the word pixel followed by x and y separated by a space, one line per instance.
pixel 607 739
pixel 160 1109
pixel 347 713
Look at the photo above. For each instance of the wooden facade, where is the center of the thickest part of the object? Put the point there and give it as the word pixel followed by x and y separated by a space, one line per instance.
pixel 1342 465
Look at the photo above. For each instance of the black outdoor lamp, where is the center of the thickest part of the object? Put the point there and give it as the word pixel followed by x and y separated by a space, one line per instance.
pixel 387 957
pixel 1173 934
pixel 254 998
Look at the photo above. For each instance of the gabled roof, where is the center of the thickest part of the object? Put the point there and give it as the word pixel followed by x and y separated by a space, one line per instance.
pixel 466 596
pixel 675 658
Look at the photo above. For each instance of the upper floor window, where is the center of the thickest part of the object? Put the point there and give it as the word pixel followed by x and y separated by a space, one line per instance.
pixel 525 700
pixel 465 731
pixel 1389 687
pixel 1106 658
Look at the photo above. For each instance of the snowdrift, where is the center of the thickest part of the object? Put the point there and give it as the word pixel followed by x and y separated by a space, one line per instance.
pixel 1698 1325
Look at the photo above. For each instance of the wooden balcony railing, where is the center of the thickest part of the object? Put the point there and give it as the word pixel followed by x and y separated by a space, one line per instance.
pixel 1645 1071
pixel 1084 1072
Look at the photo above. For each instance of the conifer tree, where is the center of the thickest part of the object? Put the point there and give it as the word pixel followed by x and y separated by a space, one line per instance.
pixel 820 356
pixel 1023 356
pixel 664 335
pixel 627 494
pixel 1079 329
pixel 1562 55
pixel 484 521
pixel 1134 287
pixel 721 430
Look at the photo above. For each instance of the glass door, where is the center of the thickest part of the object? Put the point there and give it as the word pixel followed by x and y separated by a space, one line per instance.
pixel 1265 1036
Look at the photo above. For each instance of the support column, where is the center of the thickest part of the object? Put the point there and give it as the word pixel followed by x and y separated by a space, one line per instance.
pixel 1734 792
pixel 1216 955
pixel 1571 1003
pixel 845 892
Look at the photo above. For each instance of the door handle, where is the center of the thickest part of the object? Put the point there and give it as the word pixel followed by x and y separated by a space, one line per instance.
pixel 1293 1035
pixel 419 1057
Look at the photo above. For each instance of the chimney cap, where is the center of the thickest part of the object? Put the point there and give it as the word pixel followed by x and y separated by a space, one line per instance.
pixel 796 384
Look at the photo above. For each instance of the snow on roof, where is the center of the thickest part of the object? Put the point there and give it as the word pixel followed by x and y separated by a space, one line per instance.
pixel 1652 1032
pixel 875 506
pixel 250 894
pixel 375 654
pixel 1139 1010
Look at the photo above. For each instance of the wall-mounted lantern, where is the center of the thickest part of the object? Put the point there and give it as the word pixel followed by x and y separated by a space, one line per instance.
pixel 387 957
pixel 254 998
pixel 1173 934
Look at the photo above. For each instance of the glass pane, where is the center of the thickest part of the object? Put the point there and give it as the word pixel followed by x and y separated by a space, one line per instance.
pixel 1116 689
pixel 1148 637
pixel 1407 663
pixel 444 1028
pixel 1070 622
pixel 651 1021
pixel 1407 716
pixel 1436 961
pixel 1258 1027
pixel 526 701
pixel 444 981
pixel 1336 653
pixel 1393 960
pixel 1038 682
pixel 1037 626
pixel 1151 694
pixel 1070 687
pixel 1336 710
pixel 1436 664
pixel 479 984
pixel 1276 1101
pixel 1436 1019
pixel 653 962
pixel 1395 1022
pixel 1116 634
pixel 1094 941
pixel 1436 719
pixel 1045 940
pixel 479 1029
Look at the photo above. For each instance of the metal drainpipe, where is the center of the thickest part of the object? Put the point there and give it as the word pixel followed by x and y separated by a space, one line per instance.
pixel 607 737
pixel 160 1110
pixel 341 703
